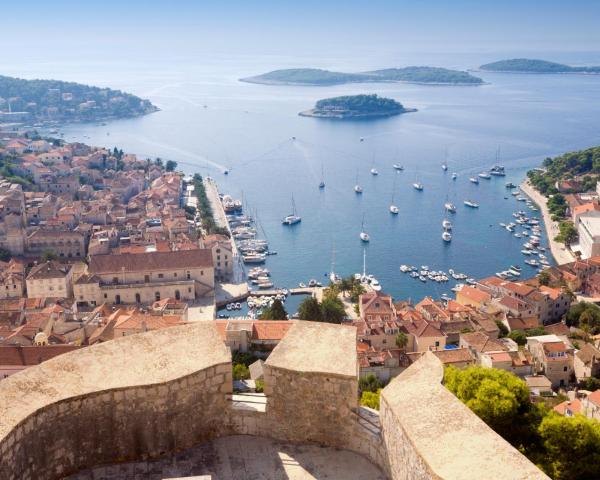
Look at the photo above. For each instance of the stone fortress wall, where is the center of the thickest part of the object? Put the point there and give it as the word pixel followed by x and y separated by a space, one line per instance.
pixel 147 395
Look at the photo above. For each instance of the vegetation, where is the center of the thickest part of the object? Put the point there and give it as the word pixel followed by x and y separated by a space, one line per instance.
pixel 590 383
pixel 170 166
pixel 585 316
pixel 401 340
pixel 319 77
pixel 565 448
pixel 275 312
pixel 527 65
pixel 583 165
pixel 5 254
pixel 330 310
pixel 356 106
pixel 568 232
pixel 544 278
pixel 240 371
pixel 49 255
pixel 369 383
pixel 260 386
pixel 502 328
pixel 557 206
pixel 207 218
pixel 370 399
pixel 68 101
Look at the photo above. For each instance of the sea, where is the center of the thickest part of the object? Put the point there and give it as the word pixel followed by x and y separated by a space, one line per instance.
pixel 210 122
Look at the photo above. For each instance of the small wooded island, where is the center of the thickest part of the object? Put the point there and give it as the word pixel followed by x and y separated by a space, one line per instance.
pixel 527 65
pixel 356 106
pixel 318 77
pixel 62 102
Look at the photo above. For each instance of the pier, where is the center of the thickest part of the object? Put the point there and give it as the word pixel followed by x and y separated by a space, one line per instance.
pixel 314 291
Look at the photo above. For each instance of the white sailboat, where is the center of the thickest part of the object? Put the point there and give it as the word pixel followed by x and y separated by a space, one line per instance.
pixel 293 217
pixel 333 277
pixel 393 208
pixel 364 236
pixel 446 236
pixel 417 185
pixel 322 183
pixel 357 187
pixel 373 169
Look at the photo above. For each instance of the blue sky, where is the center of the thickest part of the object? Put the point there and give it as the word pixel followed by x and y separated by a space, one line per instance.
pixel 270 26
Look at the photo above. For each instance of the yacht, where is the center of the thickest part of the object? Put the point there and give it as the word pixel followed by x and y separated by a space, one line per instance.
pixel 404 268
pixel 510 185
pixel 418 186
pixel 470 203
pixel 447 224
pixel 398 167
pixel 446 236
pixel 293 217
pixel 450 207
pixel 393 208
pixel 485 175
pixel 474 180
pixel 364 236
pixel 357 187
pixel 375 285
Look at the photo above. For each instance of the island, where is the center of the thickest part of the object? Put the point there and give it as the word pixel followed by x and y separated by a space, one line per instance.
pixel 319 77
pixel 527 65
pixel 356 106
pixel 55 101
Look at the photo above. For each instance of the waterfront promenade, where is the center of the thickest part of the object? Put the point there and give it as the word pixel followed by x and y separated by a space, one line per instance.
pixel 560 253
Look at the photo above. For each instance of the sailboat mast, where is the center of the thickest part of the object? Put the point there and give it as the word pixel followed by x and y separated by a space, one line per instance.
pixel 364 262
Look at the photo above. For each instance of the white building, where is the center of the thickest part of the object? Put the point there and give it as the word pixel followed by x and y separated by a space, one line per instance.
pixel 588 228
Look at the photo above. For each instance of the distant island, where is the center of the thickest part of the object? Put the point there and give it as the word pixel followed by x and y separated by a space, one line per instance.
pixel 62 102
pixel 526 65
pixel 356 106
pixel 318 77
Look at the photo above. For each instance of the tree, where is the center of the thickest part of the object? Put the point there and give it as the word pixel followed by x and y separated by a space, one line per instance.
pixel 345 285
pixel 49 255
pixel 5 255
pixel 310 309
pixel 275 312
pixel 518 336
pixel 171 165
pixel 585 316
pixel 503 329
pixel 332 310
pixel 572 446
pixel 371 399
pixel 544 278
pixel 369 383
pixel 240 371
pixel 158 162
pixel 401 340
pixel 590 383
pixel 568 232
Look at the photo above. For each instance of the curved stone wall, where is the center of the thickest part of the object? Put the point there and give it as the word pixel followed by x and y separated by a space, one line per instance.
pixel 131 398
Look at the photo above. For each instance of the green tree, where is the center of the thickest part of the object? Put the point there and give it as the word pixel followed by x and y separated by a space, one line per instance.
pixel 590 383
pixel 518 336
pixel 572 446
pixel 584 315
pixel 401 340
pixel 5 255
pixel 275 312
pixel 544 278
pixel 171 166
pixel 310 309
pixel 332 310
pixel 568 232
pixel 49 255
pixel 240 371
pixel 503 329
pixel 158 162
pixel 345 285
pixel 369 383
pixel 370 399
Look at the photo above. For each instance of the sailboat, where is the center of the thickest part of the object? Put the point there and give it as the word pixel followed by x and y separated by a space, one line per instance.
pixel 445 164
pixel 333 277
pixel 417 185
pixel 322 183
pixel 446 236
pixel 393 208
pixel 364 236
pixel 357 187
pixel 373 169
pixel 293 217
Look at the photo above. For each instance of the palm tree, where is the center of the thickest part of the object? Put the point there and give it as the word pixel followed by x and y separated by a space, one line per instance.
pixel 345 285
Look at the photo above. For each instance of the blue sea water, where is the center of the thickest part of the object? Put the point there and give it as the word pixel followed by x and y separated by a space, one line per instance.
pixel 210 121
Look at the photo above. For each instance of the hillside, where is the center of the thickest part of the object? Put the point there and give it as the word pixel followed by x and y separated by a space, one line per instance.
pixel 54 100
pixel 526 65
pixel 318 77
pixel 356 106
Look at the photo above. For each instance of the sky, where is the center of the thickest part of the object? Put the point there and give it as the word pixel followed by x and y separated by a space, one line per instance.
pixel 119 28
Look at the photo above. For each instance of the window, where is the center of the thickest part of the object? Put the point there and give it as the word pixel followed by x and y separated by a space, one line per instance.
pixel 189 289
pixel 105 295
pixel 160 275
pixel 146 278
pixel 177 295
pixel 117 299
pixel 115 279
pixel 157 296
pixel 188 275
pixel 437 344
pixel 138 299
pixel 175 275
pixel 564 369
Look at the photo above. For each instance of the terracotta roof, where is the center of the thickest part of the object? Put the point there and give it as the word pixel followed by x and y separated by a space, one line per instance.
pixel 475 294
pixel 16 355
pixel 457 355
pixel 553 293
pixel 594 397
pixel 270 330
pixel 557 329
pixel 201 258
pixel 554 347
pixel 572 406
pixel 522 323
pixel 481 342
pixel 588 353
pixel 518 288
pixel 50 269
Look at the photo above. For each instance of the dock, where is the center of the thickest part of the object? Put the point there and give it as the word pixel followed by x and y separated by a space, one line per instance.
pixel 293 291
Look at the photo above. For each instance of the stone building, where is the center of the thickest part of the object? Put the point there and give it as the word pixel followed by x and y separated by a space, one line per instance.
pixel 12 279
pixel 50 279
pixel 143 278
pixel 64 243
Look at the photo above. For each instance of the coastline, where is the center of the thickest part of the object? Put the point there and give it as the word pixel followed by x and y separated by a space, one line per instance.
pixel 258 81
pixel 315 114
pixel 559 252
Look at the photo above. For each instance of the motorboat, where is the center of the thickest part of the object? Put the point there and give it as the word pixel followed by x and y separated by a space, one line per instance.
pixel 484 175
pixel 374 171
pixel 418 186
pixel 474 180
pixel 358 188
pixel 398 167
pixel 404 268
pixel 447 224
pixel 375 285
pixel 322 182
pixel 445 167
pixel 394 209
pixel 497 170
pixel 471 204
pixel 510 185
pixel 446 236
pixel 450 207
pixel 454 175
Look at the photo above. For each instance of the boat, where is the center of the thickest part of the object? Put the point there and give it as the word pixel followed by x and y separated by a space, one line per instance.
pixel 474 180
pixel 364 236
pixel 398 167
pixel 510 185
pixel 238 306
pixel 484 175
pixel 446 236
pixel 302 285
pixel 312 283
pixel 404 268
pixel 514 268
pixel 446 224
pixel 322 182
pixel 532 262
pixel 418 186
pixel 422 278
pixel 357 187
pixel 450 207
pixel 374 171
pixel 293 217
pixel 521 199
pixel 375 285
pixel 265 285
pixel 333 277
pixel 454 175
pixel 254 258
pixel 228 307
pixel 393 208
pixel 445 166
pixel 471 204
